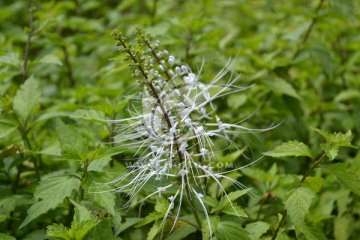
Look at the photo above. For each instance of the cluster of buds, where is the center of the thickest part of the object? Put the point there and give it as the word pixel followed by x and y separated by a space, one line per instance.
pixel 175 129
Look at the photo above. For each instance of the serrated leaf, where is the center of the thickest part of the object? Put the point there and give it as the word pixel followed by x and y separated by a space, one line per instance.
pixel 71 141
pixel 279 85
pixel 257 229
pixel 290 149
pixel 80 229
pixel 51 192
pixel 345 177
pixel 161 205
pixel 154 230
pixel 58 231
pixel 52 59
pixel 313 183
pixel 231 231
pixel 297 204
pixel 337 138
pixel 98 190
pixel 81 212
pixel 26 98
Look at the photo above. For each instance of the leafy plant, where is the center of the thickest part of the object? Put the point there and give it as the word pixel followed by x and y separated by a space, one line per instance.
pixel 265 148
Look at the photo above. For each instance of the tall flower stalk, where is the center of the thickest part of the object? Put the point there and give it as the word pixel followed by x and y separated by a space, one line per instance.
pixel 174 131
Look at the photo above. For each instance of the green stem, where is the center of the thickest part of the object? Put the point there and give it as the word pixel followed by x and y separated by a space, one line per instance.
pixel 316 163
pixel 193 209
pixel 308 31
pixel 282 221
pixel 28 42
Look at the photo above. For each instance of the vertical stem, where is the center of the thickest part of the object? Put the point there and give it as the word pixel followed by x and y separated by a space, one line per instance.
pixel 28 42
pixel 282 221
pixel 68 67
pixel 308 31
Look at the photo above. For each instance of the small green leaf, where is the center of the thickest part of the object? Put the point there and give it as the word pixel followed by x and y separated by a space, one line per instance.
pixel 234 210
pixel 151 217
pixel 58 231
pixel 290 149
pixel 227 201
pixel 71 141
pixel 52 59
pixel 51 192
pixel 257 229
pixel 297 203
pixel 26 98
pixel 231 231
pixel 161 205
pixel 80 229
pixel 313 183
pixel 345 177
pixel 334 141
pixel 154 230
pixel 96 187
pixel 99 164
pixel 279 85
pixel 81 212
pixel 210 201
pixel 337 138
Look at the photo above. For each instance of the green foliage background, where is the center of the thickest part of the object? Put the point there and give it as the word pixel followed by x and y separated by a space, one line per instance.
pixel 58 61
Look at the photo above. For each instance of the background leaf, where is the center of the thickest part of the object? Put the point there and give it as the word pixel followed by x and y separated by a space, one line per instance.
pixel 26 98
pixel 289 149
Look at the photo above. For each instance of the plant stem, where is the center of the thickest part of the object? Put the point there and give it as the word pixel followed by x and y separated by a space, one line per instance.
pixel 193 209
pixel 282 221
pixel 28 42
pixel 316 163
pixel 308 31
pixel 68 67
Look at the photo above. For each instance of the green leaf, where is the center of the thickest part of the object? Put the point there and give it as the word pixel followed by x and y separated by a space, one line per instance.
pixel 231 231
pixel 345 177
pixel 51 192
pixel 297 203
pixel 151 217
pixel 344 226
pixel 334 141
pixel 279 85
pixel 58 231
pixel 257 229
pixel 4 236
pixel 227 204
pixel 81 212
pixel 11 59
pixel 313 183
pixel 154 230
pixel 52 59
pixel 6 129
pixel 312 233
pixel 210 201
pixel 161 205
pixel 36 235
pixel 129 222
pixel 71 141
pixel 26 98
pixel 234 210
pixel 290 149
pixel 231 157
pixel 344 7
pixel 181 232
pixel 99 164
pixel 80 229
pixel 96 187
